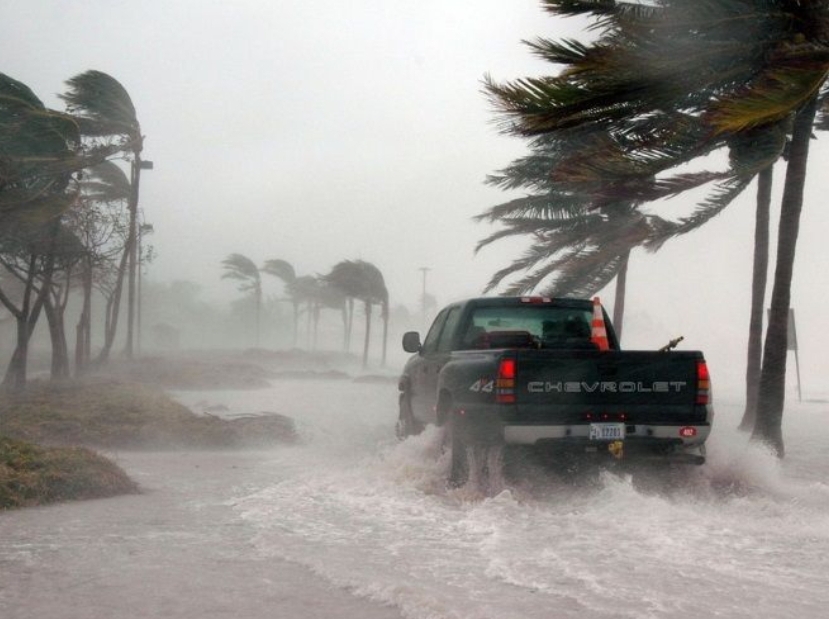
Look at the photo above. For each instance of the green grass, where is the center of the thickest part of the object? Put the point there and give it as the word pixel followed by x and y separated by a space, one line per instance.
pixel 47 435
pixel 32 475
pixel 107 414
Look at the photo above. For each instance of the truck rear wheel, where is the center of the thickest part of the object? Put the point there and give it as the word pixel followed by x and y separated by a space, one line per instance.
pixel 474 459
pixel 459 464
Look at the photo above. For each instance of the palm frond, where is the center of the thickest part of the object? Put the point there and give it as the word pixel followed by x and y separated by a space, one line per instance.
pixel 281 269
pixel 242 268
pixel 771 97
pixel 106 182
pixel 721 196
pixel 103 103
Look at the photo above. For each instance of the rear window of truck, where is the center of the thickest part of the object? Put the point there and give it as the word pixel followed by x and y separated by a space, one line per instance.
pixel 536 325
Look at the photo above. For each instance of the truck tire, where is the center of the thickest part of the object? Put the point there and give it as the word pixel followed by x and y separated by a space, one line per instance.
pixel 459 456
pixel 475 460
pixel 407 425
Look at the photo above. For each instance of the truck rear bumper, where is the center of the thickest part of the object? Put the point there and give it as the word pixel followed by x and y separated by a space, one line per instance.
pixel 682 436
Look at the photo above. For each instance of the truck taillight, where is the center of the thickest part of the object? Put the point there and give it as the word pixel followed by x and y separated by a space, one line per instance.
pixel 505 383
pixel 703 383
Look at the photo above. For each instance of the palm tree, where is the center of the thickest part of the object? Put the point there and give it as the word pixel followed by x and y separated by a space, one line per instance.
pixel 734 72
pixel 104 109
pixel 769 421
pixel 362 280
pixel 318 294
pixel 285 271
pixel 347 277
pixel 315 292
pixel 40 152
pixel 28 253
pixel 68 252
pixel 104 186
pixel 328 296
pixel 379 294
pixel 242 268
pixel 581 242
pixel 760 267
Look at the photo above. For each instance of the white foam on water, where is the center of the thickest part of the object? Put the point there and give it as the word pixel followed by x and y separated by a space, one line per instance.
pixel 742 536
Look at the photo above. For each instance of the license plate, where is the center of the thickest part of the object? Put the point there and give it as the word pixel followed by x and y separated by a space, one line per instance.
pixel 607 431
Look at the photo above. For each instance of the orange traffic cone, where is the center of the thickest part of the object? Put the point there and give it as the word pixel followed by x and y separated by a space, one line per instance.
pixel 598 333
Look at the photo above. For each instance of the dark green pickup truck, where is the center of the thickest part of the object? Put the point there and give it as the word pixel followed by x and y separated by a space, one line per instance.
pixel 549 373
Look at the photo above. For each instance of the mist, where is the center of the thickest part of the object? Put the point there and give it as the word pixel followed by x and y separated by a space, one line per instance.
pixel 328 131
pixel 349 522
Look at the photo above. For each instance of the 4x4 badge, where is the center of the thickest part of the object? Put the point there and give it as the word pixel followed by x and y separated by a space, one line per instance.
pixel 485 385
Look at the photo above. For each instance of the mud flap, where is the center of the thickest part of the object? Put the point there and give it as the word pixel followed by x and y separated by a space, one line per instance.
pixel 477 458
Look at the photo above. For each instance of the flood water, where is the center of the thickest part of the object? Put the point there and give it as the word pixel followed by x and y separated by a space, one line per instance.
pixel 351 523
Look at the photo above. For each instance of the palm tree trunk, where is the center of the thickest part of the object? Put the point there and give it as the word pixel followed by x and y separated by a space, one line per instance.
pixel 15 378
pixel 768 426
pixel 296 322
pixel 368 334
pixel 258 300
pixel 758 296
pixel 113 309
pixel 57 333
pixel 344 311
pixel 349 324
pixel 385 331
pixel 317 310
pixel 133 246
pixel 83 330
pixel 621 291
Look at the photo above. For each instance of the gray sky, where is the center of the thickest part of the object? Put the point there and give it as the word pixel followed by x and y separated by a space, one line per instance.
pixel 309 131
pixel 326 130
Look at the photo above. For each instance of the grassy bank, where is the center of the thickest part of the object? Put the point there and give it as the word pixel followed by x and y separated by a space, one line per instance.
pixel 47 435
pixel 34 475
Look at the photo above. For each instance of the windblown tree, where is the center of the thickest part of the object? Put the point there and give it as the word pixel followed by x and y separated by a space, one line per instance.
pixel 105 112
pixel 316 293
pixel 39 152
pixel 728 68
pixel 40 258
pixel 98 220
pixel 578 245
pixel 363 281
pixel 284 270
pixel 376 293
pixel 68 252
pixel 327 296
pixel 27 255
pixel 347 276
pixel 245 271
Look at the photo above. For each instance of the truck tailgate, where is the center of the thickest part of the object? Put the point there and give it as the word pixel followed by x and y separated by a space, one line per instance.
pixel 579 386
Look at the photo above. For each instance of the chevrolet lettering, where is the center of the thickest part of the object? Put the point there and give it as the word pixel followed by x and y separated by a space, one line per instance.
pixel 536 386
pixel 549 375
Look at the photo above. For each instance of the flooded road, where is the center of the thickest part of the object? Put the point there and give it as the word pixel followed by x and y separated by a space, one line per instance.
pixel 179 551
pixel 351 523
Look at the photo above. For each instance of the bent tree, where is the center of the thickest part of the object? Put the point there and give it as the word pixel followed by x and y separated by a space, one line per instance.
pixel 738 69
pixel 245 271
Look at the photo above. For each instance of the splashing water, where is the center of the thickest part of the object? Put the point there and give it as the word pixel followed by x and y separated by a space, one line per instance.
pixel 743 536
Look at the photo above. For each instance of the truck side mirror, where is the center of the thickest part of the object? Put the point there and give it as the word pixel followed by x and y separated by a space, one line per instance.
pixel 411 341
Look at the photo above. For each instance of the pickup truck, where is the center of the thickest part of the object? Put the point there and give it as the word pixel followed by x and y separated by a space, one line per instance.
pixel 549 373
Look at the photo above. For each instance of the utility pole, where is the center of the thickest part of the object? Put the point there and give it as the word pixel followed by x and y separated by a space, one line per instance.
pixel 142 230
pixel 132 239
pixel 423 270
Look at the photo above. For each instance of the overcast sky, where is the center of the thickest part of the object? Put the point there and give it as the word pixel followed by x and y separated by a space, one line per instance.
pixel 310 131
pixel 326 130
